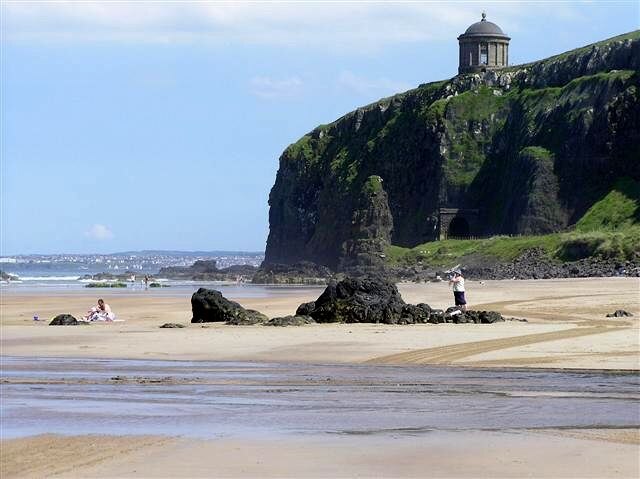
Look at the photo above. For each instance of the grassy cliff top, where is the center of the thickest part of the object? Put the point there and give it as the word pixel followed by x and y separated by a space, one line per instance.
pixel 437 90
pixel 633 35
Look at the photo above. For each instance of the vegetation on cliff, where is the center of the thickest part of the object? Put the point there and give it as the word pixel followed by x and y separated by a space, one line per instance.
pixel 609 229
pixel 618 209
pixel 537 149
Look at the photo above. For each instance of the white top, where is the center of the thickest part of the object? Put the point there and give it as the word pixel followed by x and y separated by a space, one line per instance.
pixel 458 283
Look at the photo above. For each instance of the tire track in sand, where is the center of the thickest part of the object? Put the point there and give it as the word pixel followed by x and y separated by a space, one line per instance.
pixel 456 352
pixel 555 315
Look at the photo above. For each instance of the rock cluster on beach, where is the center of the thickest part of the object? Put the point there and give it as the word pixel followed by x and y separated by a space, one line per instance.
pixel 209 305
pixel 123 277
pixel 207 270
pixel 352 300
pixel 303 272
pixel 533 264
pixel 619 313
pixel 297 320
pixel 376 300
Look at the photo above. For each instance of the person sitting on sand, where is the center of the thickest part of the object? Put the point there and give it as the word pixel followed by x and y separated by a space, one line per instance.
pixel 457 280
pixel 101 312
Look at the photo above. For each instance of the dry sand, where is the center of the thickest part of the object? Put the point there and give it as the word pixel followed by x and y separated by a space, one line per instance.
pixel 443 454
pixel 567 328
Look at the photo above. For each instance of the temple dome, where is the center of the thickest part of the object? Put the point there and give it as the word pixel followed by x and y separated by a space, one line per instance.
pixel 484 28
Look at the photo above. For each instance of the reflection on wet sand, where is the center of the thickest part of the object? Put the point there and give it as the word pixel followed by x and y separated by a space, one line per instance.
pixel 214 399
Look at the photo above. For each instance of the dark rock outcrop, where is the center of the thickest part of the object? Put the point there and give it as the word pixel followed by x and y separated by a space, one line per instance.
pixel 359 301
pixel 172 325
pixel 371 227
pixel 619 313
pixel 66 320
pixel 456 315
pixel 483 317
pixel 305 308
pixel 375 300
pixel 437 316
pixel 243 270
pixel 199 267
pixel 207 270
pixel 208 305
pixel 303 272
pixel 250 317
pixel 415 314
pixel 534 264
pixel 297 320
pixel 122 277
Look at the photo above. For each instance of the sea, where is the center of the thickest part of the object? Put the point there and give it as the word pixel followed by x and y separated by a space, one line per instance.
pixel 68 274
pixel 70 284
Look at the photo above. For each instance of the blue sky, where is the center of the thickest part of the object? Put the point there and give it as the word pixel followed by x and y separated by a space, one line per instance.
pixel 158 125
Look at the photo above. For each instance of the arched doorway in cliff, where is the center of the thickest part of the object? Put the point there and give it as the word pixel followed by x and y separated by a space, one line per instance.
pixel 459 228
pixel 458 223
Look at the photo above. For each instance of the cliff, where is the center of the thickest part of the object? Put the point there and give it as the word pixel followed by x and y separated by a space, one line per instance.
pixel 531 148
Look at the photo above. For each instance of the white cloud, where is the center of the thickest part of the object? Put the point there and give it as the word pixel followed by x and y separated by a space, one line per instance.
pixel 331 25
pixel 370 86
pixel 271 88
pixel 99 232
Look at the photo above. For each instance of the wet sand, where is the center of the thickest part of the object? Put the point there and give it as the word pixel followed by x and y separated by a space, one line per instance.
pixel 208 399
pixel 567 328
pixel 201 419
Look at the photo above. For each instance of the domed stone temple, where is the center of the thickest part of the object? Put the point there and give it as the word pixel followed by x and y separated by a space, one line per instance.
pixel 484 46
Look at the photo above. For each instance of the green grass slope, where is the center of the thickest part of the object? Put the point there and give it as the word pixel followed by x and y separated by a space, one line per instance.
pixel 609 229
pixel 618 209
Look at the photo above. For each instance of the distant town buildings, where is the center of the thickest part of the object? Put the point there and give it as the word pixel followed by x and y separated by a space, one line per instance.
pixel 144 262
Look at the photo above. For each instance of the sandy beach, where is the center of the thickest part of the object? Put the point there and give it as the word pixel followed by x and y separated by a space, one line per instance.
pixel 566 328
pixel 469 455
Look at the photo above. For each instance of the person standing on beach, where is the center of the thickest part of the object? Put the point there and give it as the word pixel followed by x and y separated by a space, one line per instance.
pixel 457 280
pixel 146 281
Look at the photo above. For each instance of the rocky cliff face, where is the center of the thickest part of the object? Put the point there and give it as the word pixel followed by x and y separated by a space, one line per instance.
pixel 371 227
pixel 531 147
